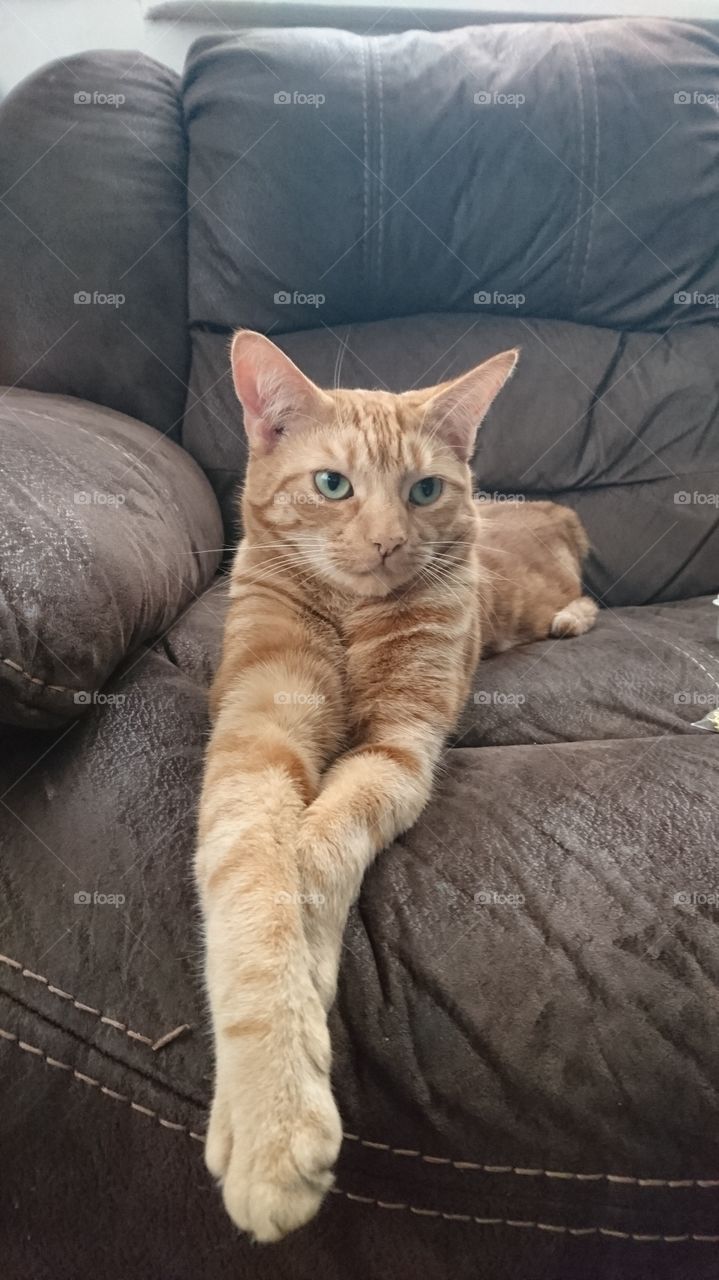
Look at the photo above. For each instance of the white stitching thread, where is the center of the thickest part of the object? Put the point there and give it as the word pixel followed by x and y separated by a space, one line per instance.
pixel 472 1167
pixel 365 236
pixel 582 157
pixel 377 52
pixel 595 176
pixel 95 1084
pixel 638 1238
pixel 368 1200
pixel 56 688
pixel 696 661
pixel 464 1166
pixel 86 1008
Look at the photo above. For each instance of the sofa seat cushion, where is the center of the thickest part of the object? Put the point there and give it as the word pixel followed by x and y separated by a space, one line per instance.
pixel 109 530
pixel 640 672
pixel 527 987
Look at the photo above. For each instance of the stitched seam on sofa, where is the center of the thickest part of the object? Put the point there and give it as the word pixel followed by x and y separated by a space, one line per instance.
pixel 54 688
pixel 140 1068
pixel 365 167
pixel 473 1167
pixel 696 661
pixel 582 160
pixel 82 1078
pixel 559 1229
pixel 463 1165
pixel 377 52
pixel 174 1126
pixel 157 1043
pixel 595 177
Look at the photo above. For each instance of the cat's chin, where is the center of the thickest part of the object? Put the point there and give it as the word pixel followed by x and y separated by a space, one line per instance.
pixel 373 584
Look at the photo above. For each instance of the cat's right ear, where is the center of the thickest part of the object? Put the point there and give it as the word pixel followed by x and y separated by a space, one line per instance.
pixel 275 395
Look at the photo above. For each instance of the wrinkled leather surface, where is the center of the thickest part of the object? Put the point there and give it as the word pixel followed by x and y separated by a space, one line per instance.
pixel 94 202
pixel 572 1029
pixel 526 1029
pixel 108 531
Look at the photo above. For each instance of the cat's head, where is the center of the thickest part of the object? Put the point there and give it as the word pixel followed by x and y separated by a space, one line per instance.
pixel 366 489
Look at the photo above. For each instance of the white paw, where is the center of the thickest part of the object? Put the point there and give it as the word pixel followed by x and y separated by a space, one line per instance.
pixel 575 618
pixel 274 1135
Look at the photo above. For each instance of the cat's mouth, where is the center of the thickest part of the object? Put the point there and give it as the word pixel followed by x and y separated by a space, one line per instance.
pixel 377 579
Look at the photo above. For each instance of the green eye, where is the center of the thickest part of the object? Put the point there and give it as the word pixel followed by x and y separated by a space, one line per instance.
pixel 333 485
pixel 426 491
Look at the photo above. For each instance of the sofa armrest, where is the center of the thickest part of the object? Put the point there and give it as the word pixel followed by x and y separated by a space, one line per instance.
pixel 93 161
pixel 109 530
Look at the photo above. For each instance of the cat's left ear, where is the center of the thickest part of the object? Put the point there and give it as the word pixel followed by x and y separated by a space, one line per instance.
pixel 455 410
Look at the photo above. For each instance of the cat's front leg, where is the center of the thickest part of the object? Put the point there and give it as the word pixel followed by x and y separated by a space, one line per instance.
pixel 274 1130
pixel 369 796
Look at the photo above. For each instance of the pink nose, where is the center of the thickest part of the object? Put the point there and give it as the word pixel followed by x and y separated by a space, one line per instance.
pixel 389 544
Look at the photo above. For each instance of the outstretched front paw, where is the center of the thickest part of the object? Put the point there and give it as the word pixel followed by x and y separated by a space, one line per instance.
pixel 274 1131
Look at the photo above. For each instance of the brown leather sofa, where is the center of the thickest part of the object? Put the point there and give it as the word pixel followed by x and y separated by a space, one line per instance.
pixel 526 1032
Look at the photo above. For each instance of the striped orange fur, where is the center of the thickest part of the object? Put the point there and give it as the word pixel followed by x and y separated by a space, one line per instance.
pixel 355 626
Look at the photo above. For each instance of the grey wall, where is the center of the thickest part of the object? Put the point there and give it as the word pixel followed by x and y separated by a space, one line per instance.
pixel 33 32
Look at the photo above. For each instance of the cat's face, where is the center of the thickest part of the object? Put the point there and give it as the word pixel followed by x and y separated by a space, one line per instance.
pixel 367 490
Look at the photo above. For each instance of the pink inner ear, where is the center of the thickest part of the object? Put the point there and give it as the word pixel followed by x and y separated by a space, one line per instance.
pixel 248 392
pixel 460 436
pixel 460 406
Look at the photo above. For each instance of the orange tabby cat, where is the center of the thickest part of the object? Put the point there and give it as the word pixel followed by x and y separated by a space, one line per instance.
pixel 356 621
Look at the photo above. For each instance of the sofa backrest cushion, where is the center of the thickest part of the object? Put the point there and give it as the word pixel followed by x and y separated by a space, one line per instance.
pixel 573 164
pixel 387 229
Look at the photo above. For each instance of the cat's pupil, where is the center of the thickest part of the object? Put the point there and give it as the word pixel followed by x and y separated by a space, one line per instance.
pixel 427 486
pixel 333 480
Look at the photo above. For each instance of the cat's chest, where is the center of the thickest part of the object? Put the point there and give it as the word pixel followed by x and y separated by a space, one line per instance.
pixel 384 639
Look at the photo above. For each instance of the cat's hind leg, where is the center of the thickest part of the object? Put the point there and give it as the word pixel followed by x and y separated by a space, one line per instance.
pixel 574 618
